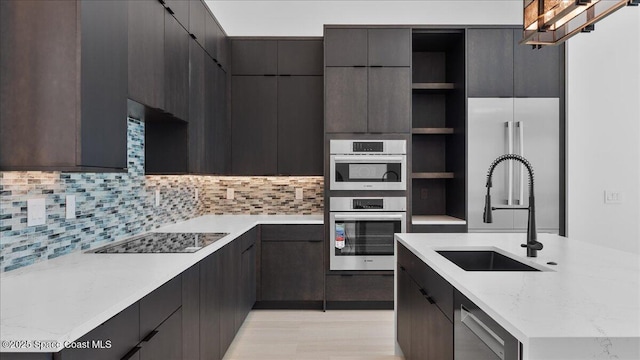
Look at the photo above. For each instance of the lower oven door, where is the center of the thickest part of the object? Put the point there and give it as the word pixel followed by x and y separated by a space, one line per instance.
pixel 364 241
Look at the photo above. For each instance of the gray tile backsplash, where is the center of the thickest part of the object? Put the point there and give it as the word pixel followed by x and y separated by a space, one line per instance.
pixel 112 206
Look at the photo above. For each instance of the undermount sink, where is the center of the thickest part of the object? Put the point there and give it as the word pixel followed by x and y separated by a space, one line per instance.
pixel 484 260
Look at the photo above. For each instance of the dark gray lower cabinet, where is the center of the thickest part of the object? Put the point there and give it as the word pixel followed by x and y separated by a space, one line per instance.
pixel 165 342
pixel 247 274
pixel 230 293
pixel 121 329
pixel 210 305
pixel 425 310
pixel 346 291
pixel 191 310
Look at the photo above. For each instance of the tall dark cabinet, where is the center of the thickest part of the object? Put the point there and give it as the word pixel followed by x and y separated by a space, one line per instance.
pixel 368 78
pixel 63 88
pixel 438 130
pixel 276 106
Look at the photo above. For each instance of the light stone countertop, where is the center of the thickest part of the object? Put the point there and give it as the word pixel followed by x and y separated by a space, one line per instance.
pixel 586 307
pixel 63 299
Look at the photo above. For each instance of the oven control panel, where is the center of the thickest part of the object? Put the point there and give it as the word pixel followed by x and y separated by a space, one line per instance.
pixel 360 204
pixel 368 146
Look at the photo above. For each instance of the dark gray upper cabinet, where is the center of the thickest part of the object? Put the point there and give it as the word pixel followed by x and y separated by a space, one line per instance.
pixel 221 155
pixel 345 47
pixel 176 56
pixel 146 52
pixel 254 57
pixel 213 34
pixel 197 109
pixel 537 72
pixel 254 125
pixel 197 21
pixel 389 47
pixel 63 89
pixel 180 10
pixel 490 62
pixel 389 100
pixel 300 129
pixel 345 100
pixel 300 57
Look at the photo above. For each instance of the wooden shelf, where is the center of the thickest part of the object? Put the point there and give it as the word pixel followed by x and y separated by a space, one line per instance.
pixel 432 130
pixel 436 220
pixel 433 86
pixel 432 175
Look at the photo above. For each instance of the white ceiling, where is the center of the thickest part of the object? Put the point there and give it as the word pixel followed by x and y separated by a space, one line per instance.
pixel 307 17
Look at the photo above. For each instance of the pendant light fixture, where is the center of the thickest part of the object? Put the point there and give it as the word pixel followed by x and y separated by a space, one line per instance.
pixel 552 22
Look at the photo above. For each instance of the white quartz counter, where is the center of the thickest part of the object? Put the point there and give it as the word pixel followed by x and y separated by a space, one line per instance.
pixel 63 299
pixel 586 307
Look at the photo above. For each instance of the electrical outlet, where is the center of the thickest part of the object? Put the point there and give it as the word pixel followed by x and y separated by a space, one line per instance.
pixel 36 212
pixel 299 194
pixel 424 194
pixel 612 197
pixel 195 195
pixel 70 206
pixel 157 197
pixel 230 194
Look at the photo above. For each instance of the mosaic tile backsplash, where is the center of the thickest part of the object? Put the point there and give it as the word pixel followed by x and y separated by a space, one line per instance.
pixel 113 206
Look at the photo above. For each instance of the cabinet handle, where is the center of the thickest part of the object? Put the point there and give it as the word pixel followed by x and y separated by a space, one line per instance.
pixel 359 66
pixel 430 299
pixel 269 75
pixel 193 36
pixel 170 11
pixel 249 248
pixel 150 336
pixel 402 268
pixel 161 2
pixel 131 352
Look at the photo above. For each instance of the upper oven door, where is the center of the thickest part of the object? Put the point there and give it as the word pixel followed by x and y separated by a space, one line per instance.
pixel 368 172
pixel 364 241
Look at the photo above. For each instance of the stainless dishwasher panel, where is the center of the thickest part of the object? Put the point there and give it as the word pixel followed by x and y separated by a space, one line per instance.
pixel 478 337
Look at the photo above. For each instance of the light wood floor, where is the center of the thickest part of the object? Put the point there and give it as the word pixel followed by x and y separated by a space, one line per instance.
pixel 307 334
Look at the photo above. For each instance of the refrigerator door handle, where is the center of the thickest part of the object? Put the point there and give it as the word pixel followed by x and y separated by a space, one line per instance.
pixel 509 126
pixel 520 126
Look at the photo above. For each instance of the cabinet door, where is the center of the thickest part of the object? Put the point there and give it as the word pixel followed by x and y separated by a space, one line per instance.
pixel 420 329
pixel 176 68
pixel 538 72
pixel 345 100
pixel 180 10
pixel 345 47
pixel 156 307
pixel 404 313
pixel 191 312
pixel 488 138
pixel 292 271
pixel 196 109
pixel 389 47
pixel 104 84
pixel 230 293
pixel 146 52
pixel 212 33
pixel 389 100
pixel 300 125
pixel 254 125
pixel 248 275
pixel 440 333
pixel 166 341
pixel 254 57
pixel 538 121
pixel 490 62
pixel 222 125
pixel 197 21
pixel 300 57
pixel 211 292
pixel 122 330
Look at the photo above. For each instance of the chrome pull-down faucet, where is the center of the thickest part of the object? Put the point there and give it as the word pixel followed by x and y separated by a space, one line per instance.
pixel 532 244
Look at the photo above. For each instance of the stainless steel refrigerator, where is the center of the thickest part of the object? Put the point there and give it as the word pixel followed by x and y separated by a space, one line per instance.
pixel 526 126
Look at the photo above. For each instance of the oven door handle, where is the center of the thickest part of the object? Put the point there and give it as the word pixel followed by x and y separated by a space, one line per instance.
pixel 368 159
pixel 370 217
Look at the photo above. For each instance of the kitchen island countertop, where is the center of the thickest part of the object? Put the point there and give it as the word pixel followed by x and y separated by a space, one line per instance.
pixel 585 307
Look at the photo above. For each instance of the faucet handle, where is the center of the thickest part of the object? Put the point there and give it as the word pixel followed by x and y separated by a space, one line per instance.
pixel 535 246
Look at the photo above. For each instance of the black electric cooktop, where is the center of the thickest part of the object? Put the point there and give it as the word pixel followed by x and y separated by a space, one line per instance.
pixel 163 243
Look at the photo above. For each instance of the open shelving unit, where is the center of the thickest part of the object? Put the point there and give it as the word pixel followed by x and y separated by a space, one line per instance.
pixel 438 129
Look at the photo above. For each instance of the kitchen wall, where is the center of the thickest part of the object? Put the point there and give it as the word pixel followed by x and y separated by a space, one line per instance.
pixel 306 18
pixel 113 206
pixel 603 85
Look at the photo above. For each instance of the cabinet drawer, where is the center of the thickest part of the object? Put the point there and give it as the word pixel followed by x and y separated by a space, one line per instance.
pixel 292 232
pixel 166 341
pixel 359 287
pixel 159 305
pixel 435 286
